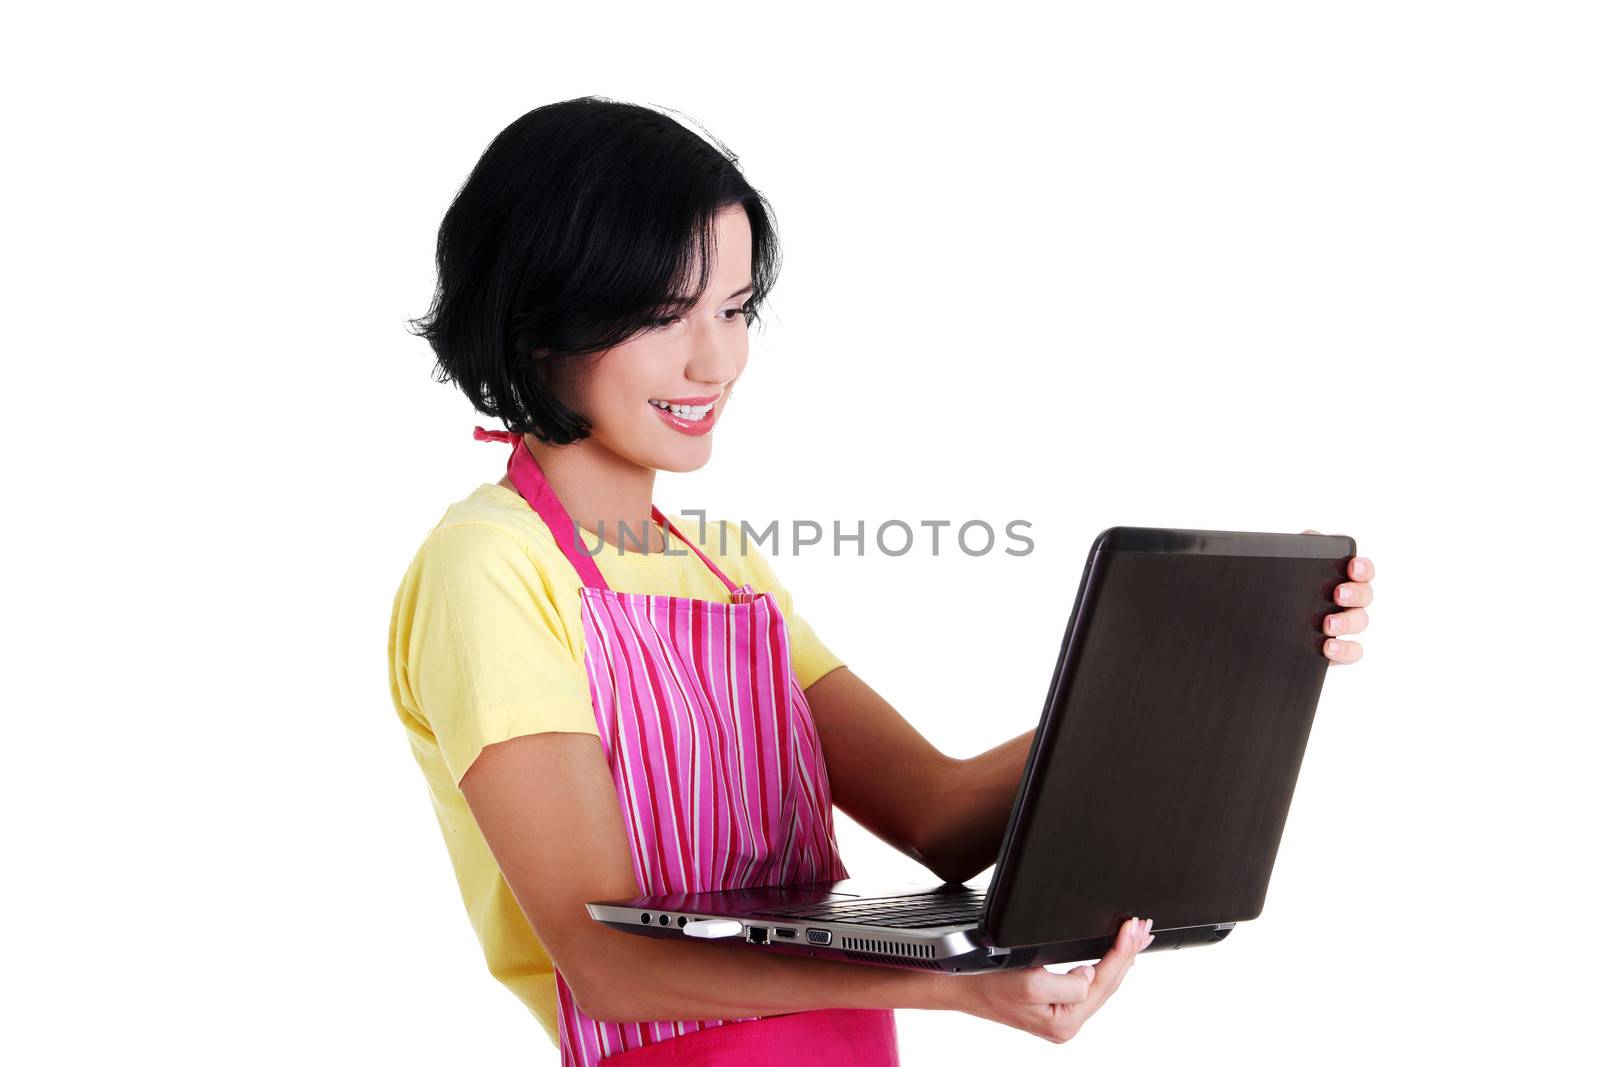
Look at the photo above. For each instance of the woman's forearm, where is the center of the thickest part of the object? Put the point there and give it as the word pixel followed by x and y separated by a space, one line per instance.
pixel 639 979
pixel 972 820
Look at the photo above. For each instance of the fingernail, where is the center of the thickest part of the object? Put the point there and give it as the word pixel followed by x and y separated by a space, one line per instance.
pixel 1333 648
pixel 1359 568
pixel 1345 593
pixel 1088 972
pixel 1334 624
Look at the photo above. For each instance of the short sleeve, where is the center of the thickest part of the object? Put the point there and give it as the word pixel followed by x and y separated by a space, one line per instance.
pixel 809 657
pixel 488 656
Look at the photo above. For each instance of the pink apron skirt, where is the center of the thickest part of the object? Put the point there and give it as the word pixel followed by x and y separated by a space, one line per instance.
pixel 721 782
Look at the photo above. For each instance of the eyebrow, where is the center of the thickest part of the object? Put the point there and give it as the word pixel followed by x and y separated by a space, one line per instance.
pixel 683 301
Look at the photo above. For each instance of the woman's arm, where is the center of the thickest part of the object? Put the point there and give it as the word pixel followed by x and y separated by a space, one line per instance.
pixel 948 814
pixel 546 805
pixel 548 810
pixel 966 838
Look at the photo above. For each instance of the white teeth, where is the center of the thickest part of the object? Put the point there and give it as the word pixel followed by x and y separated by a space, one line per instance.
pixel 693 413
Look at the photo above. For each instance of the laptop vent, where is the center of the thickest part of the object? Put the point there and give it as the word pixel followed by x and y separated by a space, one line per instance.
pixel 889 948
pixel 866 957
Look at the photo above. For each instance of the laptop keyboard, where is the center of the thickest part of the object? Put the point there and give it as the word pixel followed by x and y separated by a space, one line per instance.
pixel 915 910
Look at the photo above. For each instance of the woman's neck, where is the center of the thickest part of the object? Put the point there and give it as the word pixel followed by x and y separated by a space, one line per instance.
pixel 601 491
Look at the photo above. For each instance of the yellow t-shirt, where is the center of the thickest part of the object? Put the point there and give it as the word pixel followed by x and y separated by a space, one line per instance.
pixel 486 644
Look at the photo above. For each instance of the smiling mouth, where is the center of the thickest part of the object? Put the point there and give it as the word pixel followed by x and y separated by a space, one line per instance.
pixel 687 412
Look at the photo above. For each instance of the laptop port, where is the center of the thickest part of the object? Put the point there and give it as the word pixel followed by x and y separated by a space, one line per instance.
pixel 756 935
pixel 819 937
pixel 683 920
pixel 784 931
pixel 645 918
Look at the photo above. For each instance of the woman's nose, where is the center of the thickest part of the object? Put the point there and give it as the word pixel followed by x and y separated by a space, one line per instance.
pixel 716 356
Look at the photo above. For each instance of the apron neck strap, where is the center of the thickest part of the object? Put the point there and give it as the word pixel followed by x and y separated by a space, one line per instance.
pixel 524 472
pixel 663 520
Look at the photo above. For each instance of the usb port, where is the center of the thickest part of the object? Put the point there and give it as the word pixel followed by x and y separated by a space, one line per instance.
pixel 756 935
pixel 784 931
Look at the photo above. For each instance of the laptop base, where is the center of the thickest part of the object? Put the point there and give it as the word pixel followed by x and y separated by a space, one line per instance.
pixel 953 949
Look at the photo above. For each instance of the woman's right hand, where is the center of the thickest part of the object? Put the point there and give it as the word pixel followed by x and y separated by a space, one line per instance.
pixel 1049 1005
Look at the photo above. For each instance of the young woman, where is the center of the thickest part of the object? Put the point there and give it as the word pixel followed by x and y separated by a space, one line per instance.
pixel 606 702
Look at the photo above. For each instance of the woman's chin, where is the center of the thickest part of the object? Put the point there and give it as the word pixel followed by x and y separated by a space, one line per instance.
pixel 678 452
pixel 684 461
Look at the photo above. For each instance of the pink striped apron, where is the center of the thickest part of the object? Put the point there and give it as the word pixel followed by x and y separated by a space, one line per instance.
pixel 721 780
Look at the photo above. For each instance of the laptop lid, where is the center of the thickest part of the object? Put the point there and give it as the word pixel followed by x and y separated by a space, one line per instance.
pixel 1159 780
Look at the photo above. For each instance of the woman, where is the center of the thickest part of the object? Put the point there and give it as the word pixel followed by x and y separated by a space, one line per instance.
pixel 606 702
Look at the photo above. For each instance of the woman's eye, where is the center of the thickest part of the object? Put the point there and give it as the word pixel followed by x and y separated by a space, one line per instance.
pixel 730 313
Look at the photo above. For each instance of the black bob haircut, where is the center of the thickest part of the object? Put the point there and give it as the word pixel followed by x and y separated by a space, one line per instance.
pixel 577 229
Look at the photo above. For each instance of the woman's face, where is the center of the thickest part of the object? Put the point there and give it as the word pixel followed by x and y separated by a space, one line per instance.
pixel 689 363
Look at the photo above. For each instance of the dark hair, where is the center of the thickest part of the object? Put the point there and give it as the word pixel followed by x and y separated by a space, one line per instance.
pixel 577 229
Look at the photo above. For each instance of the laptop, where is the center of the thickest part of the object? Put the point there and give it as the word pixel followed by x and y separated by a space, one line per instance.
pixel 1158 782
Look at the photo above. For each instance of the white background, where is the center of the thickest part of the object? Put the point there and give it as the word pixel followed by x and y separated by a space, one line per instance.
pixel 1239 266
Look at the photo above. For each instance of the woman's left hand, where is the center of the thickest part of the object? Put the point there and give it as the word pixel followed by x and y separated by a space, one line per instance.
pixel 1353 596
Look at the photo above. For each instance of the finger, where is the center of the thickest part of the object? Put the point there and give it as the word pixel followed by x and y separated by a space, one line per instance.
pixel 1361 569
pixel 1104 977
pixel 1309 532
pixel 1341 651
pixel 1131 939
pixel 1045 988
pixel 1345 622
pixel 1145 936
pixel 1352 594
